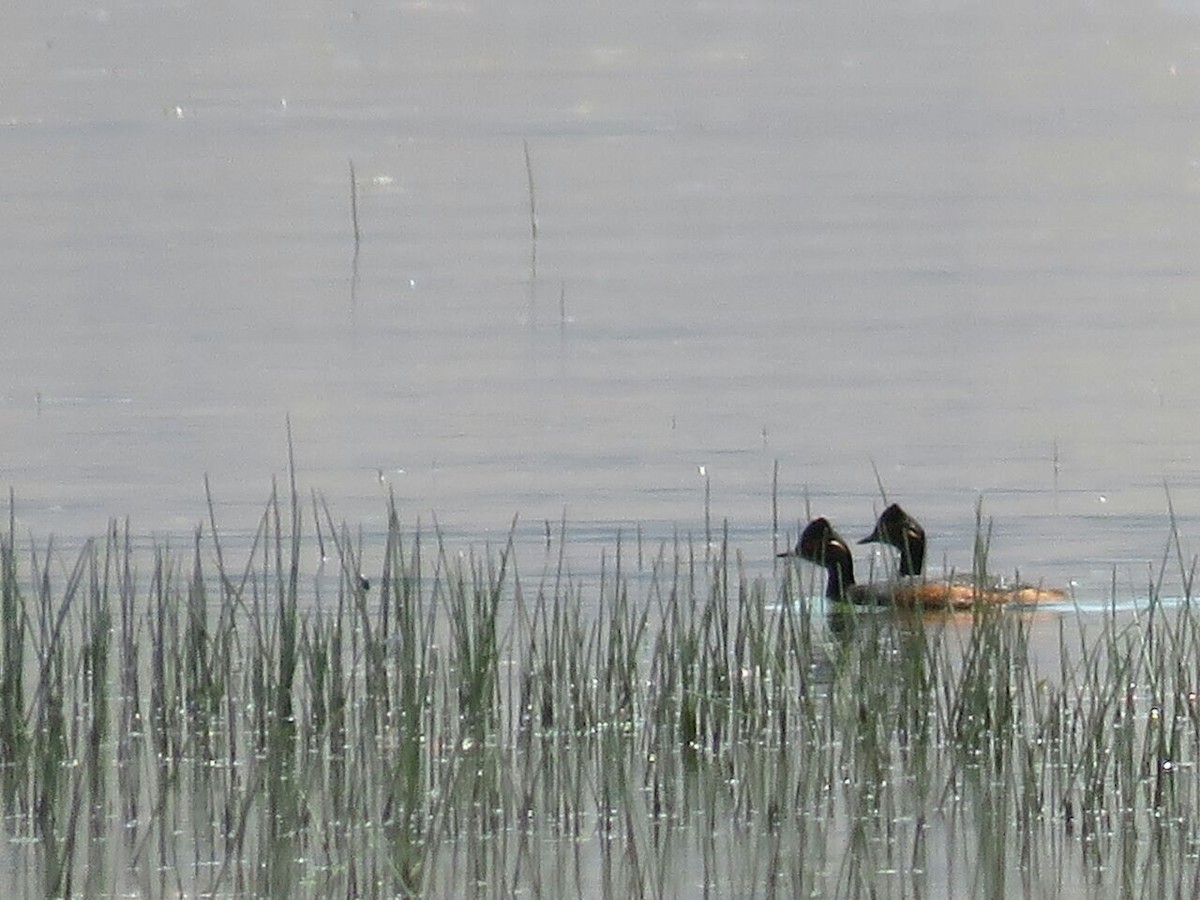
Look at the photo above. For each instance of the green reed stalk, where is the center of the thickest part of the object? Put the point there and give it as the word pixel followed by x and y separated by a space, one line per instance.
pixel 15 738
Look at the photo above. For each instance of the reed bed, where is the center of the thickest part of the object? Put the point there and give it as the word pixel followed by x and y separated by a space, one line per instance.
pixel 179 724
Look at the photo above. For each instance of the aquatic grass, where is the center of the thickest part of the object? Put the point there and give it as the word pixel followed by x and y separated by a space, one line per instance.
pixel 247 719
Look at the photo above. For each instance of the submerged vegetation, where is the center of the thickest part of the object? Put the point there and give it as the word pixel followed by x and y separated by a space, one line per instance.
pixel 211 728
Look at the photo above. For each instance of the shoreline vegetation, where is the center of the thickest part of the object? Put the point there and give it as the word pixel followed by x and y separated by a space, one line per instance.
pixel 187 723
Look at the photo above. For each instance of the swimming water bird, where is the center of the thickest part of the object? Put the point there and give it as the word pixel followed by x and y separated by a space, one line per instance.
pixel 821 545
pixel 898 529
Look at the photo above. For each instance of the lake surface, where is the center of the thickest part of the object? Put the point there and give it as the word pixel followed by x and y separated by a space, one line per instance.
pixel 955 241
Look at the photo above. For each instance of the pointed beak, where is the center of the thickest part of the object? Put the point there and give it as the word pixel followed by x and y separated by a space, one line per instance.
pixel 872 538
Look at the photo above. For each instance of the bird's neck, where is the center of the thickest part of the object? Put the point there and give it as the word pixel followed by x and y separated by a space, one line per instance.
pixel 841 578
pixel 912 557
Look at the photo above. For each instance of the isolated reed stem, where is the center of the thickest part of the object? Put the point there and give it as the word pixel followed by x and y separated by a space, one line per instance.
pixel 533 223
pixel 354 209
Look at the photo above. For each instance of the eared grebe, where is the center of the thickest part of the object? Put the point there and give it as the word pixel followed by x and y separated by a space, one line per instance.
pixel 820 544
pixel 900 530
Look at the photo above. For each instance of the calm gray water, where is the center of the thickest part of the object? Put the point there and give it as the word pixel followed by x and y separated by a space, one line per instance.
pixel 955 241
